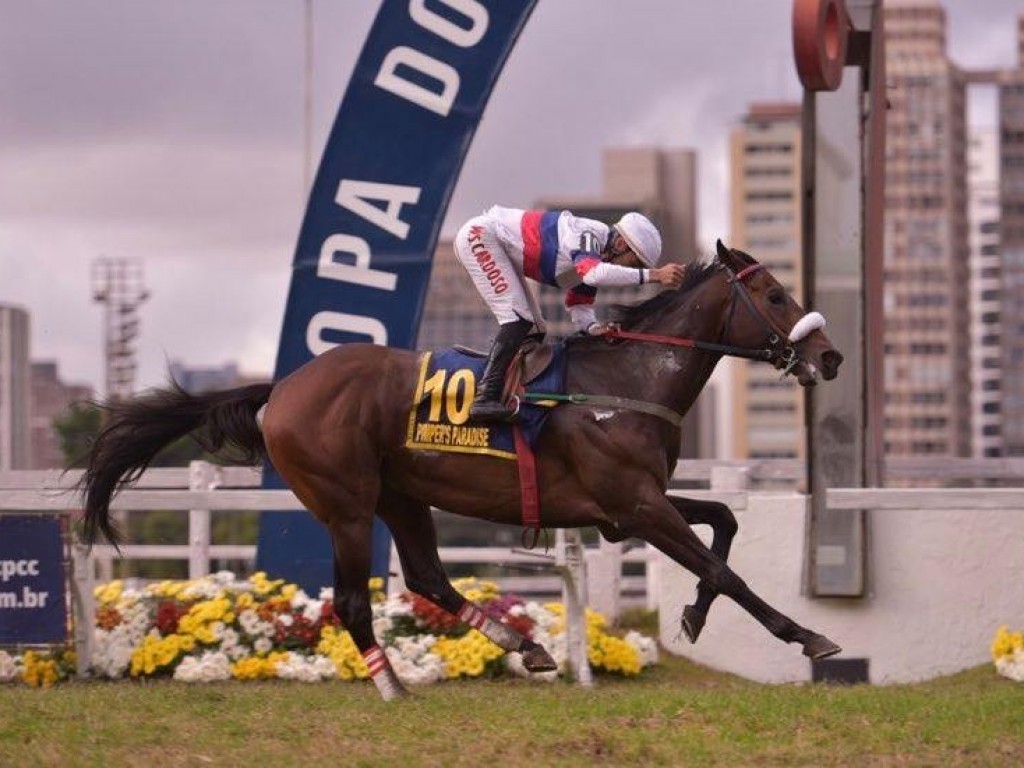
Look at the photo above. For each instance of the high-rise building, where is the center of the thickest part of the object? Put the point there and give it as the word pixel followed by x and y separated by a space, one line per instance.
pixel 15 435
pixel 927 358
pixel 765 155
pixel 1011 246
pixel 51 399
pixel 986 293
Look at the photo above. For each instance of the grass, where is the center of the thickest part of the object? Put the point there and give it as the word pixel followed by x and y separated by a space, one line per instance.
pixel 675 714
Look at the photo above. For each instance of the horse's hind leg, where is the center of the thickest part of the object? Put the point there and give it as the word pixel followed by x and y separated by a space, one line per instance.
pixel 724 527
pixel 412 528
pixel 658 523
pixel 352 546
pixel 347 511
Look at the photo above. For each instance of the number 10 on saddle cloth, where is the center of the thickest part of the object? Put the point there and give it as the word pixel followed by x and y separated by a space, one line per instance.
pixel 439 417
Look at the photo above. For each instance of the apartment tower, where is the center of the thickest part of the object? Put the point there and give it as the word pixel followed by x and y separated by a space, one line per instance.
pixel 927 341
pixel 765 222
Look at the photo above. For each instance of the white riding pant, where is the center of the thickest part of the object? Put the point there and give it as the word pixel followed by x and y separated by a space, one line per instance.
pixel 497 272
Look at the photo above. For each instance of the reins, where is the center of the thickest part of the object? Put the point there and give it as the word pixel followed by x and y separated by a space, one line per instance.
pixel 775 350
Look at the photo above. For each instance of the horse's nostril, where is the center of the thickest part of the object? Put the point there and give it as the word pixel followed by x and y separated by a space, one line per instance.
pixel 831 359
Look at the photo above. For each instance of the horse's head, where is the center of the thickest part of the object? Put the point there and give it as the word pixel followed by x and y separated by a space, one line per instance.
pixel 765 316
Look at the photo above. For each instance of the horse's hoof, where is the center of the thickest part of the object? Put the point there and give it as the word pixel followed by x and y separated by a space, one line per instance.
pixel 693 623
pixel 820 647
pixel 538 660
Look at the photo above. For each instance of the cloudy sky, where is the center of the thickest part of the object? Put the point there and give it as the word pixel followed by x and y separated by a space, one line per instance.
pixel 172 133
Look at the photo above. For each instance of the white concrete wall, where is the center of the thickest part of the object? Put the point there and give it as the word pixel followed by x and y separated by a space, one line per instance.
pixel 940 584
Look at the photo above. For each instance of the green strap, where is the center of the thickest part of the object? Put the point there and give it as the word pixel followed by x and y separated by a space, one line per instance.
pixel 611 401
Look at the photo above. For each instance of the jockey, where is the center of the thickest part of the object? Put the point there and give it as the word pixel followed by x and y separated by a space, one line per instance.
pixel 503 246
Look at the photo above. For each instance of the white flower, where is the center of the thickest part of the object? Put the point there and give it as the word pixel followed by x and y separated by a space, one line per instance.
pixel 263 646
pixel 254 626
pixel 8 667
pixel 645 647
pixel 285 620
pixel 211 666
pixel 305 669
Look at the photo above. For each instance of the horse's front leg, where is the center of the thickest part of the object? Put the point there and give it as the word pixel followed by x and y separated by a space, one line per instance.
pixel 723 527
pixel 656 520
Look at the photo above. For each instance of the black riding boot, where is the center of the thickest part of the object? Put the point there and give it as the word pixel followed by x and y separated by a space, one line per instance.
pixel 488 405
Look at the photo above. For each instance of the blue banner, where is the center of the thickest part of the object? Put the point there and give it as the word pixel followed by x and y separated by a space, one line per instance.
pixel 392 159
pixel 33 607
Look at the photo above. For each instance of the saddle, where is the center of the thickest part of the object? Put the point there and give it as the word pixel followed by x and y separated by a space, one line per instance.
pixel 530 361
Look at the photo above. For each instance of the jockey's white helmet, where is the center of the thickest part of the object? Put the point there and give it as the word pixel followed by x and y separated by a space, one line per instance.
pixel 642 236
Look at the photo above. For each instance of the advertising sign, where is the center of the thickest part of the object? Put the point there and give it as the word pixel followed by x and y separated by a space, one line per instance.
pixel 33 608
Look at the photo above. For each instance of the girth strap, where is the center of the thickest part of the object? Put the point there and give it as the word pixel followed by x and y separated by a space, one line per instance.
pixel 611 401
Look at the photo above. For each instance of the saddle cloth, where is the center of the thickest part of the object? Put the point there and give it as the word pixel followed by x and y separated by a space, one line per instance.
pixel 439 417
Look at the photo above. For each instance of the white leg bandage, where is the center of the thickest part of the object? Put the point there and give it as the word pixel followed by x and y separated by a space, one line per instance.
pixel 383 676
pixel 501 635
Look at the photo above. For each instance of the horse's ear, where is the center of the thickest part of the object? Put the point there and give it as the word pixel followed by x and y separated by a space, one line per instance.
pixel 723 252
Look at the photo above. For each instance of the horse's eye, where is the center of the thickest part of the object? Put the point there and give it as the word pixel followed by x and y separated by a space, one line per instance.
pixel 777 298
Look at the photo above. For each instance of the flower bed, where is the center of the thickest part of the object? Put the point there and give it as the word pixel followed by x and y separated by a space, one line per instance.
pixel 1008 654
pixel 221 628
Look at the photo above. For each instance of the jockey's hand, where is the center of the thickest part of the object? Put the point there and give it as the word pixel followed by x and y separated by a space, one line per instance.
pixel 600 329
pixel 671 275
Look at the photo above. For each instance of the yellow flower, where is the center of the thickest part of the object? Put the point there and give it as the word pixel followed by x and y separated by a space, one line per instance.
pixel 109 593
pixel 467 655
pixel 337 645
pixel 253 668
pixel 1006 643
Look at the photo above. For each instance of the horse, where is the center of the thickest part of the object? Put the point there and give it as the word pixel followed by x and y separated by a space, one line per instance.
pixel 335 430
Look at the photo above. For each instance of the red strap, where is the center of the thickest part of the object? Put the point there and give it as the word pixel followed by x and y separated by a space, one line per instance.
pixel 527 484
pixel 617 333
pixel 746 272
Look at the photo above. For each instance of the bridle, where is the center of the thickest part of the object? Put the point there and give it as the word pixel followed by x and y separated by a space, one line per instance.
pixel 779 352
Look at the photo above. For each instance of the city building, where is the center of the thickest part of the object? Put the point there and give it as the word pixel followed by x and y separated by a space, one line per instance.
pixel 51 399
pixel 983 216
pixel 765 221
pixel 926 264
pixel 15 434
pixel 1011 248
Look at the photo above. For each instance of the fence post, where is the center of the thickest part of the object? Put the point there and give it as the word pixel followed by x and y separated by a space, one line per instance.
pixel 83 605
pixel 604 579
pixel 202 476
pixel 570 562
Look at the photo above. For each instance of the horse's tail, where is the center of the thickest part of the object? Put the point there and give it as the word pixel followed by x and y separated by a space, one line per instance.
pixel 135 430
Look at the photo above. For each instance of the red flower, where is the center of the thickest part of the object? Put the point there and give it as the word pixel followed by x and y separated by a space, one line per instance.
pixel 168 614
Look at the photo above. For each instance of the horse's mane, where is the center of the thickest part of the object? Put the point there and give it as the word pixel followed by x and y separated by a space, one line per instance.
pixel 697 272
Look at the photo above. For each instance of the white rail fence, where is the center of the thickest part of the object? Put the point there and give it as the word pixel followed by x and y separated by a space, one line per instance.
pixel 586 576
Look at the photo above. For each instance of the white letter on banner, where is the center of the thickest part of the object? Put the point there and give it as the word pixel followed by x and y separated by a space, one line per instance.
pixel 443 73
pixel 453 33
pixel 360 272
pixel 340 321
pixel 354 194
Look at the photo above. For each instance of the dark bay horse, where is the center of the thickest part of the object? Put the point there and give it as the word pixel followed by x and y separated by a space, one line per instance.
pixel 335 430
